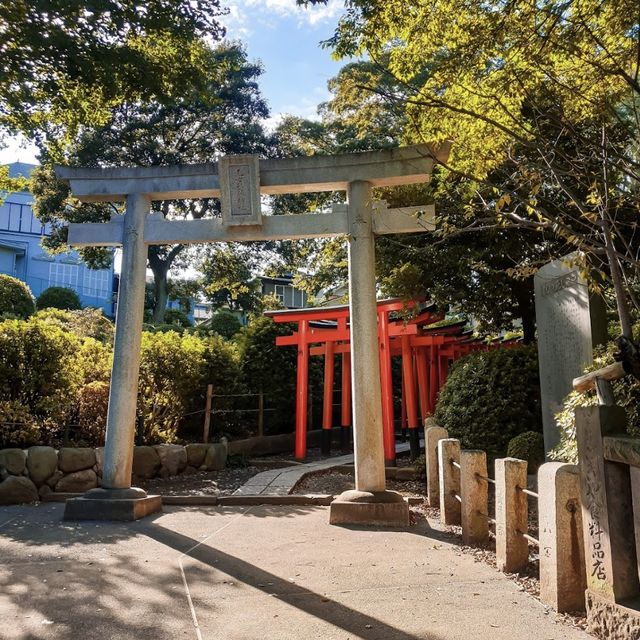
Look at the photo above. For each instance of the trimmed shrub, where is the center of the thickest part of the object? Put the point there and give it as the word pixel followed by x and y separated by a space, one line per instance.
pixel 528 446
pixel 93 400
pixel 16 300
pixel 490 397
pixel 38 368
pixel 58 298
pixel 224 323
pixel 177 317
pixel 85 323
pixel 18 428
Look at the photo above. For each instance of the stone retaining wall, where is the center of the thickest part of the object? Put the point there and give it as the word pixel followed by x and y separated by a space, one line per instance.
pixel 28 475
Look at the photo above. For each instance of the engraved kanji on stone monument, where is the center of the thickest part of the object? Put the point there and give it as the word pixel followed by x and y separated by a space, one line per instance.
pixel 240 190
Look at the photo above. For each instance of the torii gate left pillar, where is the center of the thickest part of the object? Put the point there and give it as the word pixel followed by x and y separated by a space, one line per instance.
pixel 239 181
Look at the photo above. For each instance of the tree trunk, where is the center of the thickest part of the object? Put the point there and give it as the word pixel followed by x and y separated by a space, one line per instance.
pixel 526 309
pixel 161 294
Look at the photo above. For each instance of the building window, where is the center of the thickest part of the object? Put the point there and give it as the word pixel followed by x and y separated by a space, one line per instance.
pixel 279 288
pixel 63 275
pixel 95 283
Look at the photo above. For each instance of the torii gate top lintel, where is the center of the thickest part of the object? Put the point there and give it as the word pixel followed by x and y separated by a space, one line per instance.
pixel 303 174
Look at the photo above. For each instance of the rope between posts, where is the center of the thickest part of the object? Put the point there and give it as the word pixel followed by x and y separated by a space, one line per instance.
pixel 533 494
pixel 485 478
pixel 455 464
pixel 529 538
pixel 490 520
pixel 457 497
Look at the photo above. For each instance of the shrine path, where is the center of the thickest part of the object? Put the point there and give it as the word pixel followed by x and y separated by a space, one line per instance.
pixel 241 573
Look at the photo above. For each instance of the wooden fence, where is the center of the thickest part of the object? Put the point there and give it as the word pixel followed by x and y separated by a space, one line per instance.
pixel 459 484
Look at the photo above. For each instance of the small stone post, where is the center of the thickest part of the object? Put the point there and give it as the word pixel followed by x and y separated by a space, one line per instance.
pixel 432 434
pixel 448 453
pixel 562 570
pixel 512 550
pixel 607 514
pixel 475 496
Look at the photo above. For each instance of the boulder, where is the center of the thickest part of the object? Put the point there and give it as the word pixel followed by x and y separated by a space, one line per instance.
pixel 17 490
pixel 13 460
pixel 55 478
pixel 42 463
pixel 173 458
pixel 44 490
pixel 77 482
pixel 100 459
pixel 72 459
pixel 216 458
pixel 146 462
pixel 196 453
pixel 189 471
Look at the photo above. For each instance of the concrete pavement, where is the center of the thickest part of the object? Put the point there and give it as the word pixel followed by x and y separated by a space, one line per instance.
pixel 243 573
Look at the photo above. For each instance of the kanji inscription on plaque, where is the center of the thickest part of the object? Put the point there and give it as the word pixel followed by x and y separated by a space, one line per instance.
pixel 240 190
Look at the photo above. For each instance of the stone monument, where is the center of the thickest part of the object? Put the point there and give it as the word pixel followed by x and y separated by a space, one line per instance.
pixel 570 322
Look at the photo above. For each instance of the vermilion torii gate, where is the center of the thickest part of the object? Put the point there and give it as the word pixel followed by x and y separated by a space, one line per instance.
pixel 239 182
pixel 425 352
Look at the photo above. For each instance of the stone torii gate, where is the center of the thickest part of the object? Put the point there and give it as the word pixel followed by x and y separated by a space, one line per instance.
pixel 239 181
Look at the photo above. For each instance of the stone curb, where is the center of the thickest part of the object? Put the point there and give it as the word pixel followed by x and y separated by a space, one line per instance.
pixel 234 500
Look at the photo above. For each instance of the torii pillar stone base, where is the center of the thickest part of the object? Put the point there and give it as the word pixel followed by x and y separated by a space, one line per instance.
pixel 112 504
pixel 370 508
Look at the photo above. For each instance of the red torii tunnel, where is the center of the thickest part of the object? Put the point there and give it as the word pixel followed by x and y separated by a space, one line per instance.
pixel 426 355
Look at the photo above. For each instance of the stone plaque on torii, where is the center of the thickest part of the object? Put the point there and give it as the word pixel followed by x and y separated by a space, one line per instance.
pixel 239 182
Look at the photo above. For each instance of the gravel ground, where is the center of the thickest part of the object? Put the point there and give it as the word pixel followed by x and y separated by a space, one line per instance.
pixel 335 482
pixel 210 483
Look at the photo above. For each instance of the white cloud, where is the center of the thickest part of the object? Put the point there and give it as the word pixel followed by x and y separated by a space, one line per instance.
pixel 264 13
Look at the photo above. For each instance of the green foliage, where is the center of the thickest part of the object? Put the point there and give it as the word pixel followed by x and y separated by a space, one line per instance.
pixel 16 299
pixel 66 63
pixel 177 317
pixel 528 446
pixel 38 368
pixel 85 323
pixel 491 397
pixel 174 372
pixel 93 401
pixel 58 298
pixel 18 428
pixel 224 323
pixel 626 392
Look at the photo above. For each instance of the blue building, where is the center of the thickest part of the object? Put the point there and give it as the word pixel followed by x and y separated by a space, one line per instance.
pixel 22 256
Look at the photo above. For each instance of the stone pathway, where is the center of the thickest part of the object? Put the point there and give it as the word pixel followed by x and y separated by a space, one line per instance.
pixel 252 573
pixel 280 482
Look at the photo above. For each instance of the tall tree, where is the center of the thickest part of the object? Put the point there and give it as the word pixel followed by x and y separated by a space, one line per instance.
pixel 547 91
pixel 65 64
pixel 187 129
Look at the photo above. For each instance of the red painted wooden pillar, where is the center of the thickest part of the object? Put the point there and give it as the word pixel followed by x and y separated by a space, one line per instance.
pixel 433 377
pixel 302 380
pixel 327 405
pixel 423 382
pixel 386 384
pixel 410 395
pixel 345 415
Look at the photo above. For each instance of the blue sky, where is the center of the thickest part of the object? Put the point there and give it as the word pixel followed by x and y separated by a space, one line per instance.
pixel 286 39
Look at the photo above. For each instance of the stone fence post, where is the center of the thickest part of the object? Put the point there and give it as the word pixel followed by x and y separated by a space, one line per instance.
pixel 432 435
pixel 474 492
pixel 512 550
pixel 562 568
pixel 448 458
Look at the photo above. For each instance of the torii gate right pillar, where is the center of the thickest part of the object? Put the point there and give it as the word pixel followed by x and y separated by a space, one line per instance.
pixel 369 504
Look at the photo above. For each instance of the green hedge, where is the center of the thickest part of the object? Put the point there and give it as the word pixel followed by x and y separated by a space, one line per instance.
pixel 16 299
pixel 490 397
pixel 59 298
